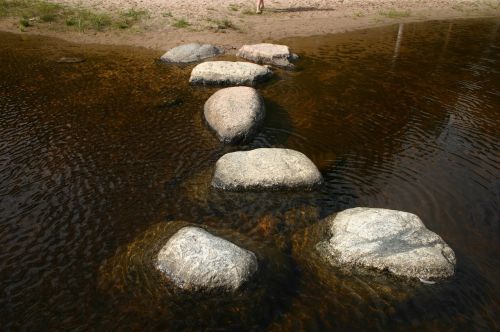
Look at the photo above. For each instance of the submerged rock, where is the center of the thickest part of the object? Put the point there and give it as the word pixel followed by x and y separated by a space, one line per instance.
pixel 194 259
pixel 387 240
pixel 70 60
pixel 259 214
pixel 278 55
pixel 131 281
pixel 235 113
pixel 265 169
pixel 190 53
pixel 229 73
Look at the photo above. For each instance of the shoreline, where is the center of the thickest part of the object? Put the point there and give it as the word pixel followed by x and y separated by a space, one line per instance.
pixel 275 24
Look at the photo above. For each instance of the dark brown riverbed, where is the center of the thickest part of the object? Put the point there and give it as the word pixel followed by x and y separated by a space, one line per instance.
pixel 95 153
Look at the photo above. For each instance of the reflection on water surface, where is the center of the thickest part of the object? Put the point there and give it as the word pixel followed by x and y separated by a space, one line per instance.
pixel 94 154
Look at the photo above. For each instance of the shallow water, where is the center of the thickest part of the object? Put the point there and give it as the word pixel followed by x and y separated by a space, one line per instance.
pixel 94 154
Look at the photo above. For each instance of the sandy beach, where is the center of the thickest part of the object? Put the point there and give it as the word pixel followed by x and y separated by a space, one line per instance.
pixel 230 23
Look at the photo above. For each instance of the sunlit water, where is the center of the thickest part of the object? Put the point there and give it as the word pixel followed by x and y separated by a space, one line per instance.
pixel 100 155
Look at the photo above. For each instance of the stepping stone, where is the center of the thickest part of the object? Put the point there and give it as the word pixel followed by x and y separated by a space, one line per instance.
pixel 190 53
pixel 195 260
pixel 265 169
pixel 235 113
pixel 278 55
pixel 229 73
pixel 390 240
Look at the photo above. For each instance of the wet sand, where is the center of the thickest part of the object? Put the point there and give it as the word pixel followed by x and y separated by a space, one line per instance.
pixel 280 19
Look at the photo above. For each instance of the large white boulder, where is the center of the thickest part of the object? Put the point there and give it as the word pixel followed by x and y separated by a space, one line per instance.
pixel 229 73
pixel 190 53
pixel 193 259
pixel 235 113
pixel 389 240
pixel 265 169
pixel 278 55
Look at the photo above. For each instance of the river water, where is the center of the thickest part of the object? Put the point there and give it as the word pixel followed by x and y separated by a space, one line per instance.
pixel 93 155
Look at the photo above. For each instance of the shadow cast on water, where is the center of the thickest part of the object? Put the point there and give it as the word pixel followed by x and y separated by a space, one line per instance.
pixel 260 214
pixel 239 210
pixel 275 130
pixel 434 305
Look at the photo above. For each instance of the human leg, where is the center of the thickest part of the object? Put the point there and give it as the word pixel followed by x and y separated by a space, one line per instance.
pixel 259 6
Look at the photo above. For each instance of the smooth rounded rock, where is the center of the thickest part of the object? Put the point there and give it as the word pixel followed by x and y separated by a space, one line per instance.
pixel 235 113
pixel 278 55
pixel 190 53
pixel 229 73
pixel 390 240
pixel 193 259
pixel 265 169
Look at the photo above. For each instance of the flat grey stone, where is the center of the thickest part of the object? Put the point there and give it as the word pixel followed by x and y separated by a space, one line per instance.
pixel 194 260
pixel 235 113
pixel 273 54
pixel 190 53
pixel 229 73
pixel 265 169
pixel 389 240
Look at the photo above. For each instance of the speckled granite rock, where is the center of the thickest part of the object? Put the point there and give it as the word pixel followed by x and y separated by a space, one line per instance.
pixel 229 73
pixel 194 259
pixel 273 54
pixel 389 240
pixel 265 169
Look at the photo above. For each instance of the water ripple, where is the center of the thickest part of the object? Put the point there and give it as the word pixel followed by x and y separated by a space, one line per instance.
pixel 94 154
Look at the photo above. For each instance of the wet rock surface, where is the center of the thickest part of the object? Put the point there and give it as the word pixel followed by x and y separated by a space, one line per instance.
pixel 194 260
pixel 266 169
pixel 390 240
pixel 229 73
pixel 235 113
pixel 190 53
pixel 273 54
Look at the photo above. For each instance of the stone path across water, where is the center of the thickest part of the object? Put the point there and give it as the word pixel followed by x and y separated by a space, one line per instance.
pixel 382 239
